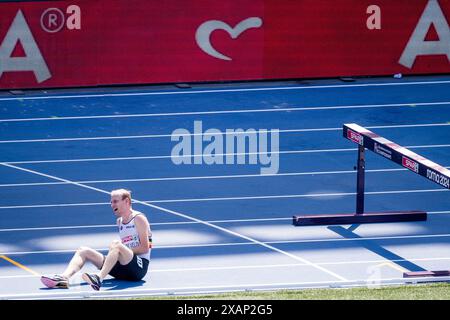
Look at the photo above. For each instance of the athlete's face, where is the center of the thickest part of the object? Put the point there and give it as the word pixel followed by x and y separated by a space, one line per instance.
pixel 119 205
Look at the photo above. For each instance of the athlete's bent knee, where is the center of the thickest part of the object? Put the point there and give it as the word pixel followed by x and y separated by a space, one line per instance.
pixel 83 250
pixel 115 245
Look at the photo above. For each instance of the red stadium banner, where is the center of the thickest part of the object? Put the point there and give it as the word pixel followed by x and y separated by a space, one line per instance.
pixel 89 43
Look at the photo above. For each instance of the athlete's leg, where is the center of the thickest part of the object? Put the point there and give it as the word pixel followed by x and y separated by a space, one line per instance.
pixel 117 253
pixel 79 259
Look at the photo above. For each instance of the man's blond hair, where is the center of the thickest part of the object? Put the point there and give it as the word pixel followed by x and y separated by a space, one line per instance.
pixel 124 193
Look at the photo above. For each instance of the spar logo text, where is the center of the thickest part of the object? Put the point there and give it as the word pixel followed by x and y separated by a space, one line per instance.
pixel 410 164
pixel 355 137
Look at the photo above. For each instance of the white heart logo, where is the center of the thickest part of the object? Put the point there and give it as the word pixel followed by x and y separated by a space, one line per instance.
pixel 202 36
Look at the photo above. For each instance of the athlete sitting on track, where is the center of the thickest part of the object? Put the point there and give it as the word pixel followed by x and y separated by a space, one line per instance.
pixel 127 259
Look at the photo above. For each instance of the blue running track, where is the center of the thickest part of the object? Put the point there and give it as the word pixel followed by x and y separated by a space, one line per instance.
pixel 220 227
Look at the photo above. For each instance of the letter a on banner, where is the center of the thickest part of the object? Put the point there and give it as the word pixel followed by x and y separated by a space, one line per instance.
pixel 418 46
pixel 74 20
pixel 33 60
pixel 374 20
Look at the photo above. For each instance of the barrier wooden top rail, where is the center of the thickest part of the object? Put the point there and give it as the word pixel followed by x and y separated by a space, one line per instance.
pixel 398 154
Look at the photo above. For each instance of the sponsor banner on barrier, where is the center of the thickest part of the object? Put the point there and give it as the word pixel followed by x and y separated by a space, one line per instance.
pixel 410 164
pixel 355 137
pixel 84 42
pixel 380 149
pixel 438 178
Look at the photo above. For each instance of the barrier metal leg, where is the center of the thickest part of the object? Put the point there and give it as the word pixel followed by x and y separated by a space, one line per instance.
pixel 360 179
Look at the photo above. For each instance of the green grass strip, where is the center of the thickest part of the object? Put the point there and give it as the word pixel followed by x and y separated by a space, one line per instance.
pixel 436 291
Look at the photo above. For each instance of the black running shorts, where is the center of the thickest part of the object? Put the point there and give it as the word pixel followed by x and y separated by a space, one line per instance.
pixel 133 271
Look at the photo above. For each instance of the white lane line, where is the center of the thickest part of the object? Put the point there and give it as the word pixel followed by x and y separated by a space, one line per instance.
pixel 171 223
pixel 195 290
pixel 201 155
pixel 237 176
pixel 189 156
pixel 286 196
pixel 227 231
pixel 71 251
pixel 153 224
pixel 283 196
pixel 288 265
pixel 235 111
pixel 252 243
pixel 255 220
pixel 19 276
pixel 270 266
pixel 152 136
pixel 130 94
pixel 289 196
pixel 98 226
pixel 56 205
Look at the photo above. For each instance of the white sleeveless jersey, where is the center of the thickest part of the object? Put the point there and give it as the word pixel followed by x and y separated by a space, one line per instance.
pixel 130 238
